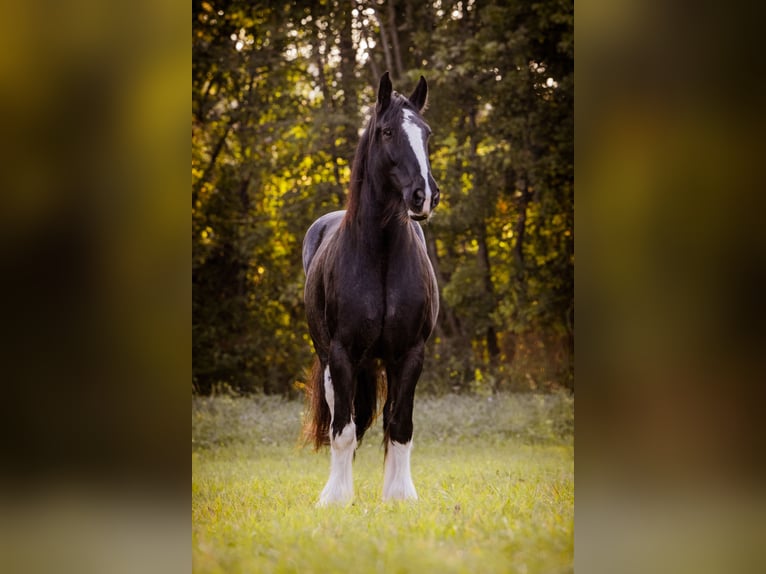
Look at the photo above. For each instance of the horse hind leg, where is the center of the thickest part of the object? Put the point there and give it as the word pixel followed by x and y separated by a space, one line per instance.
pixel 397 422
pixel 338 394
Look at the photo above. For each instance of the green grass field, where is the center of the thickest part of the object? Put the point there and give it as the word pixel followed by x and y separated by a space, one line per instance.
pixel 494 479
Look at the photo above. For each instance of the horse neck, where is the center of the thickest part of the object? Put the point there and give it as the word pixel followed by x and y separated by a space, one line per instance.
pixel 378 221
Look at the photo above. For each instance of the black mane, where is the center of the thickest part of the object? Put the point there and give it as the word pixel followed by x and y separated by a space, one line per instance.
pixel 364 150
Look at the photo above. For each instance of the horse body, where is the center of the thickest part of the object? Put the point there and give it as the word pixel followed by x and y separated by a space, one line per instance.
pixel 371 296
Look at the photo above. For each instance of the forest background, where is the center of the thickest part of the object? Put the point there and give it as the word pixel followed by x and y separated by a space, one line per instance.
pixel 279 95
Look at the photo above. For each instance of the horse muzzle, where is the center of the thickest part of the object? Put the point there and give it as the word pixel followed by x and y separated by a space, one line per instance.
pixel 418 209
pixel 421 205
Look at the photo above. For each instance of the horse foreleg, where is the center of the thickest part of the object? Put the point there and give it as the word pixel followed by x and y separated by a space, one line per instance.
pixel 402 378
pixel 338 382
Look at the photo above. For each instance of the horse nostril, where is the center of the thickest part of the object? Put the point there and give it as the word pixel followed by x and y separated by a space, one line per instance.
pixel 435 200
pixel 418 198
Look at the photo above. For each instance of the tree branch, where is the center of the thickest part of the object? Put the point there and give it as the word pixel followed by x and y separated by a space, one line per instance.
pixel 213 158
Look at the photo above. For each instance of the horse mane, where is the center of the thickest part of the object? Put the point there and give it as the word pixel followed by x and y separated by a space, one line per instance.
pixel 358 168
pixel 362 154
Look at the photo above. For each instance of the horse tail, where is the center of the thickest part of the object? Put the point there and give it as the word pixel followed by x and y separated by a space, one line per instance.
pixel 316 420
pixel 370 392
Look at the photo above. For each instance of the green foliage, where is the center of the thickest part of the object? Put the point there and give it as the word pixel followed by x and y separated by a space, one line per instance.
pixel 278 96
pixel 494 479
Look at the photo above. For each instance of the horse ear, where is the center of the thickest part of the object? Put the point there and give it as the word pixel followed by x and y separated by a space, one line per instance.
pixel 384 92
pixel 420 95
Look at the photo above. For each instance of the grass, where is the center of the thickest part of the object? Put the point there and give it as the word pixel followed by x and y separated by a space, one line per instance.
pixel 494 479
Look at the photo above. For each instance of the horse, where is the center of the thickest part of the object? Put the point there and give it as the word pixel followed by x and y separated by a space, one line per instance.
pixel 371 297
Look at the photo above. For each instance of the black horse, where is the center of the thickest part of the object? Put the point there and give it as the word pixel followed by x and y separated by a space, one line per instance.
pixel 371 296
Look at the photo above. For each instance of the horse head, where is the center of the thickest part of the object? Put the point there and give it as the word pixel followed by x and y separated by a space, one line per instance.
pixel 400 131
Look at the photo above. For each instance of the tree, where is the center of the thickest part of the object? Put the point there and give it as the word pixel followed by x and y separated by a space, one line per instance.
pixel 279 94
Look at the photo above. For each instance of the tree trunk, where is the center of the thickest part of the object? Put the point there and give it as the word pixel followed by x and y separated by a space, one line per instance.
pixel 374 69
pixel 519 277
pixel 493 350
pixel 329 105
pixel 386 47
pixel 347 81
pixel 399 73
pixel 518 247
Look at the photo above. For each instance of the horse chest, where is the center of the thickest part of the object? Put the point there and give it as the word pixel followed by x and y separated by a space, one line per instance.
pixel 382 301
pixel 408 298
pixel 356 304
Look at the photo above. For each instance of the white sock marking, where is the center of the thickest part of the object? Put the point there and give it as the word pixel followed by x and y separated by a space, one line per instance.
pixel 397 480
pixel 415 137
pixel 340 486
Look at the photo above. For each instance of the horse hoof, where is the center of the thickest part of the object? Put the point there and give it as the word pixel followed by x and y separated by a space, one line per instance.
pixel 406 494
pixel 331 497
pixel 324 501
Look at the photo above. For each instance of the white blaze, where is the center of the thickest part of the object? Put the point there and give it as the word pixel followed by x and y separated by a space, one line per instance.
pixel 415 136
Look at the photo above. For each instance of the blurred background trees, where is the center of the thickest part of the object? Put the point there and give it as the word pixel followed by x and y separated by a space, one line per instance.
pixel 279 95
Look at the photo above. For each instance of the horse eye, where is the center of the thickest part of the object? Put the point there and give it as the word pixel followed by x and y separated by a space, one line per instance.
pixel 387 132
